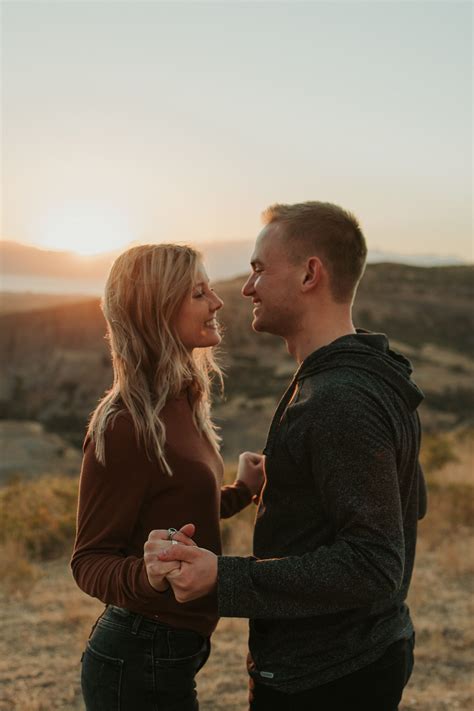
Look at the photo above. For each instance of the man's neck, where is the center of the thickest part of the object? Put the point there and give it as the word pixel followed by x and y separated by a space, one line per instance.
pixel 316 331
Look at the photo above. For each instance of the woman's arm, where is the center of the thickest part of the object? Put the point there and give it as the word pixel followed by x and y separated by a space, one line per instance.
pixel 110 500
pixel 247 486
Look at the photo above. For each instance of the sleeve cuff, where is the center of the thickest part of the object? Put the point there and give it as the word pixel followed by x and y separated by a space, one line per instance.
pixel 234 585
pixel 234 498
pixel 225 585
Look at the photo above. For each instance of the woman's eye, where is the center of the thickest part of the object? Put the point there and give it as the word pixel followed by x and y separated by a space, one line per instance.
pixel 198 294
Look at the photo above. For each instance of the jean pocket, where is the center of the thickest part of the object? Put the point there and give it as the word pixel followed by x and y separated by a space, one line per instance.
pixel 184 644
pixel 101 679
pixel 175 676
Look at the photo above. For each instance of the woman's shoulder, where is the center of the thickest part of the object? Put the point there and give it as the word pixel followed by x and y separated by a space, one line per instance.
pixel 119 432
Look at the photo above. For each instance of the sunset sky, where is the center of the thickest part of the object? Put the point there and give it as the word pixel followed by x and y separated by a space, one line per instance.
pixel 181 121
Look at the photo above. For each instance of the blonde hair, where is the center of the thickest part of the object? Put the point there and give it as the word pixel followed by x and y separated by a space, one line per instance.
pixel 328 231
pixel 143 293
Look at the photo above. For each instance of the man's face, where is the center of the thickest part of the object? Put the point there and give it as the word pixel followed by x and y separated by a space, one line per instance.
pixel 273 285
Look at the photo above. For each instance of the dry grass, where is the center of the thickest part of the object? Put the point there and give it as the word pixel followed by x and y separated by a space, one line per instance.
pixel 47 621
pixel 17 572
pixel 39 514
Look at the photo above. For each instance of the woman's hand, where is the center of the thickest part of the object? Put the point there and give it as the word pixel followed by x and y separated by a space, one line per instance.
pixel 156 569
pixel 251 470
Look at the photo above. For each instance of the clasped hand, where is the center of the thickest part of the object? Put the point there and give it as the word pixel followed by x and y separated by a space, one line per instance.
pixel 191 571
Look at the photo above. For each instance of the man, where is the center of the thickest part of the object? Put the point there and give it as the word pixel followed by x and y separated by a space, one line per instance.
pixel 335 532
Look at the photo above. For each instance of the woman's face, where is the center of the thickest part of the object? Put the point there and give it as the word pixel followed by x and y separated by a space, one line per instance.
pixel 196 322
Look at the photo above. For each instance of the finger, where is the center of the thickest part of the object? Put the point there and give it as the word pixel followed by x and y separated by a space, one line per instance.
pixel 184 535
pixel 181 538
pixel 163 569
pixel 185 553
pixel 159 534
pixel 152 547
pixel 175 573
pixel 189 529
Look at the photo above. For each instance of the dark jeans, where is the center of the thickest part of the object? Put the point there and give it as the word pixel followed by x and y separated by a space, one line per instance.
pixel 132 663
pixel 377 687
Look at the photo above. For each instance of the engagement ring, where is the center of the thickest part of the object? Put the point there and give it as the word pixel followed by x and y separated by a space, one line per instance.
pixel 171 532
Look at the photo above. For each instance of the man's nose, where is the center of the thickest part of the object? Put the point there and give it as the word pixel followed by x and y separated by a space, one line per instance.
pixel 247 289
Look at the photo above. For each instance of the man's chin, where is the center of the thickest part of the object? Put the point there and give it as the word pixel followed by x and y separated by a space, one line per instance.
pixel 257 325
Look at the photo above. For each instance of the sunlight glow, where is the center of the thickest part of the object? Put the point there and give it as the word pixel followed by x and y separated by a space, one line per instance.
pixel 84 228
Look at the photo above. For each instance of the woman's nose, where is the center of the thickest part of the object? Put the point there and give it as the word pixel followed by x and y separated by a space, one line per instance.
pixel 218 303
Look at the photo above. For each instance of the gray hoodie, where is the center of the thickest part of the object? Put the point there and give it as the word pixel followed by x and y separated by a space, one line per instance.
pixel 335 532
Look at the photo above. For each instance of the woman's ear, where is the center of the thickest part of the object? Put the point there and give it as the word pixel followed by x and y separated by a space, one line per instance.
pixel 312 274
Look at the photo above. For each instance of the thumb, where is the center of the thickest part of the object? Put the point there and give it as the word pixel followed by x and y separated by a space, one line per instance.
pixel 188 529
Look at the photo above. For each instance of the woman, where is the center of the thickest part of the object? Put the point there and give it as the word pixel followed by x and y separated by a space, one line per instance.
pixel 151 461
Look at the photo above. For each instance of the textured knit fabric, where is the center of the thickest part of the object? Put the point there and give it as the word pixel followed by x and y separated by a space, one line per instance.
pixel 335 533
pixel 120 504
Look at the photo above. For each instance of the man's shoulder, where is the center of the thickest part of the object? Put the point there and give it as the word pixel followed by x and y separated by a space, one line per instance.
pixel 341 381
pixel 334 398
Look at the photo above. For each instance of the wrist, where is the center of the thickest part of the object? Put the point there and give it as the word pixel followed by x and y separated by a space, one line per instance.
pixel 242 482
pixel 254 489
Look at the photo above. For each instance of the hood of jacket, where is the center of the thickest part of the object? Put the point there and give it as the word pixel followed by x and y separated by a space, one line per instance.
pixel 369 352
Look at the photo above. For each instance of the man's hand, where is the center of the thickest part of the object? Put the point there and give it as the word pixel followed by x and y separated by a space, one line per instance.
pixel 198 573
pixel 157 570
pixel 251 471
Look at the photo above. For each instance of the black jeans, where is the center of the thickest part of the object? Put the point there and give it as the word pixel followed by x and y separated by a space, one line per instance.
pixel 377 687
pixel 132 663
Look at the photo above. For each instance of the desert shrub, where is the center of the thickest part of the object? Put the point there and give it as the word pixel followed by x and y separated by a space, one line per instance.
pixel 437 450
pixel 450 506
pixel 39 515
pixel 17 573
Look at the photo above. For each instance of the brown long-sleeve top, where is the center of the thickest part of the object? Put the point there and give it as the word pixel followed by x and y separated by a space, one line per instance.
pixel 121 502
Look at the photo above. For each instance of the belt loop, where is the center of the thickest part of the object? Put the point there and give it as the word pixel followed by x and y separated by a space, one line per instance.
pixel 136 624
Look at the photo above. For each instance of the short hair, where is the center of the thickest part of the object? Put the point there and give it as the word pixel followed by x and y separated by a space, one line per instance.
pixel 327 231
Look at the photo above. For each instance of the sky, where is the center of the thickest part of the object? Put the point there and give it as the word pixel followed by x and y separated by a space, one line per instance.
pixel 158 121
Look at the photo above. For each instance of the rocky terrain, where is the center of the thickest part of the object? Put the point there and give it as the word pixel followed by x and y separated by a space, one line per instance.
pixel 28 451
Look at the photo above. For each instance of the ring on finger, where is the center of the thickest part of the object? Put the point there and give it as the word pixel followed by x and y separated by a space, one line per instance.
pixel 171 532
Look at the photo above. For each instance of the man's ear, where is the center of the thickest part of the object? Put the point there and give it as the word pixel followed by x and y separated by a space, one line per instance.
pixel 312 274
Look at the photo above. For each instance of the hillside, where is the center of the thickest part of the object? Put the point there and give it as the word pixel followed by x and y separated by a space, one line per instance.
pixel 56 363
pixel 13 302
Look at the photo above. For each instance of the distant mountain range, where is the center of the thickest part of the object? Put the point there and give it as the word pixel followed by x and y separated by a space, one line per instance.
pixel 28 268
pixel 56 363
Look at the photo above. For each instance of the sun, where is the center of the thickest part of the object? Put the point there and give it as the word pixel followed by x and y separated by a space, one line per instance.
pixel 85 229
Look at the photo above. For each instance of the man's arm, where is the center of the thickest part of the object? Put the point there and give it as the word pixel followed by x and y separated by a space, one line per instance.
pixel 355 472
